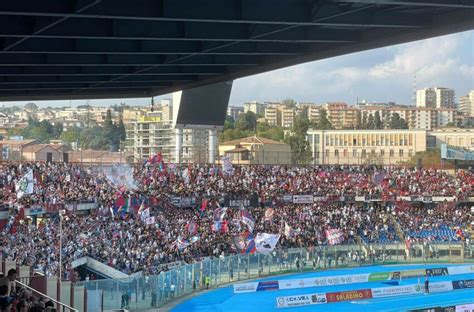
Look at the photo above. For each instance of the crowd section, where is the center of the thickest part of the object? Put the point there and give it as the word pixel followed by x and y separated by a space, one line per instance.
pixel 123 239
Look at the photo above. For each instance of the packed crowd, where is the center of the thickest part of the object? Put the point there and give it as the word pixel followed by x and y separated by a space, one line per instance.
pixel 123 240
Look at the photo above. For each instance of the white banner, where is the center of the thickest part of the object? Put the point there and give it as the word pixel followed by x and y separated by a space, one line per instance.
pixel 395 291
pixel 380 292
pixel 463 269
pixel 245 287
pixel 25 185
pixel 324 281
pixel 265 243
pixel 300 300
pixel 303 199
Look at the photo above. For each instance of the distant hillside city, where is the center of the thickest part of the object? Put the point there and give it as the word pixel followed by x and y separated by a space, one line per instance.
pixel 287 131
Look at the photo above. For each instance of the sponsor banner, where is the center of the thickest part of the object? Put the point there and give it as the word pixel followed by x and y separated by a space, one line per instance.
pixel 379 276
pixel 441 286
pixel 303 199
pixel 288 198
pixel 349 295
pixel 463 284
pixel 360 198
pixel 324 281
pixel 437 271
pixel 380 292
pixel 463 269
pixel 465 307
pixel 245 287
pixel 255 286
pixel 238 202
pixel 270 285
pixel 413 273
pixel 300 300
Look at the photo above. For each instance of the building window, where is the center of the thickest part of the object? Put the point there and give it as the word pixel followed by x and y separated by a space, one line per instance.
pixel 472 141
pixel 345 153
pixel 392 153
pixel 382 152
pixel 354 142
pixel 410 153
pixel 354 153
pixel 400 153
pixel 363 153
pixel 326 153
pixel 336 153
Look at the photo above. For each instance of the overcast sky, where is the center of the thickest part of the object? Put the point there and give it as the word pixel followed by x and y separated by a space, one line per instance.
pixel 379 75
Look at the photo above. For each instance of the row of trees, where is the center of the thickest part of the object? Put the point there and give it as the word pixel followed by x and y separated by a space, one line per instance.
pixel 375 122
pixel 106 137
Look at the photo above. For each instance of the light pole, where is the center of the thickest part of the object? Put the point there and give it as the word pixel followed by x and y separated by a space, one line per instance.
pixel 61 213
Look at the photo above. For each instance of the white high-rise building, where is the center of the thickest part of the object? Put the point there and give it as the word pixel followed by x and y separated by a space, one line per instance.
pixel 435 98
pixel 466 104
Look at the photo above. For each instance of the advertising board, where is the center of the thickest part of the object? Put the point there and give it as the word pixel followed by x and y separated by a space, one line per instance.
pixel 300 300
pixel 303 199
pixel 349 295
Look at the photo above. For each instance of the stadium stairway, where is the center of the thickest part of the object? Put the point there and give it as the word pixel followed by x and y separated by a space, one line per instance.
pixel 66 296
pixel 398 228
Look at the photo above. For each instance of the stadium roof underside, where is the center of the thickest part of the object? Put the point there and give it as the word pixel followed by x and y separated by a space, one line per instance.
pixel 76 49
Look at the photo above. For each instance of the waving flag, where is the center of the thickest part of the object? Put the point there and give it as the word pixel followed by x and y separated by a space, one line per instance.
pixel 245 243
pixel 288 230
pixel 269 214
pixel 205 201
pixel 191 228
pixel 25 185
pixel 265 243
pixel 219 214
pixel 378 177
pixel 334 236
pixel 144 214
pixel 227 166
pixel 247 219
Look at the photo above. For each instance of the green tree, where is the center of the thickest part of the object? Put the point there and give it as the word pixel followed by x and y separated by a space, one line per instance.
pixel 247 121
pixel 397 123
pixel 121 130
pixel 370 122
pixel 297 140
pixel 359 120
pixel 228 122
pixel 378 121
pixel 364 121
pixel 324 123
pixel 108 123
pixel 31 106
pixel 289 103
pixel 72 134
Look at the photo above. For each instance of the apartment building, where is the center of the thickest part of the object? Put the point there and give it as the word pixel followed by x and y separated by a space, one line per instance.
pixel 255 107
pixel 273 115
pixel 153 133
pixel 435 98
pixel 235 111
pixel 466 104
pixel 341 115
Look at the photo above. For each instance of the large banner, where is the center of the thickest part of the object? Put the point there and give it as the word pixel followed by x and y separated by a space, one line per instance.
pixel 303 199
pixel 237 202
pixel 184 202
pixel 300 300
pixel 324 281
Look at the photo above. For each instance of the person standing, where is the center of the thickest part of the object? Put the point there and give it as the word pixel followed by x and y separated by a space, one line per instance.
pixel 427 285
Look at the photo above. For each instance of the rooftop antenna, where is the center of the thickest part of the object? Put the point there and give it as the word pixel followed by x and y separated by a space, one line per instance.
pixel 152 105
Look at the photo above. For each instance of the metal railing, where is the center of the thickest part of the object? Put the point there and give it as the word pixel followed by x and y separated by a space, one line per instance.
pixel 153 291
pixel 61 306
